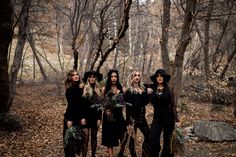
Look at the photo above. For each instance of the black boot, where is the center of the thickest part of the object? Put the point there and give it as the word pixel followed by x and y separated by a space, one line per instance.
pixel 93 153
pixel 166 152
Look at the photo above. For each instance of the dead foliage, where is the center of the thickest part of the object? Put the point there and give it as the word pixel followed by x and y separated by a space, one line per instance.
pixel 41 112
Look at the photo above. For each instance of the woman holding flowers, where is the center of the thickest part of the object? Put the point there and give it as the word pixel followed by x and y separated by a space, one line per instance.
pixel 114 125
pixel 74 115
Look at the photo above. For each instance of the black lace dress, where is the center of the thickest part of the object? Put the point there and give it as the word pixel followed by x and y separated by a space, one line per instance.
pixel 114 125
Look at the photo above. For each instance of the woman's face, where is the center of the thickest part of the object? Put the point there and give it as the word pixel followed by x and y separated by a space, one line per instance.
pixel 136 77
pixel 113 78
pixel 74 77
pixel 92 79
pixel 159 78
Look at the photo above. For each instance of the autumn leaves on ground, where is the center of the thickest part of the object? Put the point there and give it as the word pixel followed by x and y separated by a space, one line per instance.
pixel 40 110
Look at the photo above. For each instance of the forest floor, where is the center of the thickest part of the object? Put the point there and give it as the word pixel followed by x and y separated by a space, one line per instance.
pixel 41 111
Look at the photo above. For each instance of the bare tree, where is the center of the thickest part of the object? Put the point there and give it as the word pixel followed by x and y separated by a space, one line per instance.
pixel 206 42
pixel 34 50
pixel 23 23
pixel 165 30
pixel 79 15
pixel 6 33
pixel 229 59
pixel 185 39
pixel 120 34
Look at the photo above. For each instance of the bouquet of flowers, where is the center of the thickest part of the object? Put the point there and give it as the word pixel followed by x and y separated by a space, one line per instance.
pixel 73 139
pixel 112 101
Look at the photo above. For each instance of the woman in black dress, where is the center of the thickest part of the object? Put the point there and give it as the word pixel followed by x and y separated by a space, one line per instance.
pixel 165 114
pixel 74 115
pixel 137 96
pixel 92 96
pixel 114 125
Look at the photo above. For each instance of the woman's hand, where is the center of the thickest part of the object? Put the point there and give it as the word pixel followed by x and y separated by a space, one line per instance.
pixel 98 123
pixel 69 124
pixel 149 90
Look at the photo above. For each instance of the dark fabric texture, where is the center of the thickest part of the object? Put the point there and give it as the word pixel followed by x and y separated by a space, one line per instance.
pixel 113 129
pixel 136 114
pixel 155 134
pixel 163 121
pixel 92 114
pixel 75 108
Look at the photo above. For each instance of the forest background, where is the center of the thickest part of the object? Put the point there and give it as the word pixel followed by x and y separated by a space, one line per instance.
pixel 40 40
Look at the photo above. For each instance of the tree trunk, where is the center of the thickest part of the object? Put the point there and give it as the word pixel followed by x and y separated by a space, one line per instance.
pixel 23 22
pixel 176 81
pixel 150 63
pixel 206 42
pixel 165 30
pixel 34 50
pixel 76 55
pixel 91 48
pixel 217 50
pixel 229 59
pixel 116 49
pixel 6 33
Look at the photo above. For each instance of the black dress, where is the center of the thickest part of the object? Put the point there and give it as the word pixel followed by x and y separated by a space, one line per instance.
pixel 113 127
pixel 92 113
pixel 74 112
pixel 136 115
pixel 75 109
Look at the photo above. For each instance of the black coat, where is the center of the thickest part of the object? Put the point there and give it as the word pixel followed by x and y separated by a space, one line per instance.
pixel 164 105
pixel 137 110
pixel 75 106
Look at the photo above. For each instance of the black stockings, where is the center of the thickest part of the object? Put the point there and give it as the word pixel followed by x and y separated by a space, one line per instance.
pixel 93 141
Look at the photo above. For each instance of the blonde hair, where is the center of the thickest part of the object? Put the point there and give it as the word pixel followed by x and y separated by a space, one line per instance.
pixel 130 81
pixel 88 89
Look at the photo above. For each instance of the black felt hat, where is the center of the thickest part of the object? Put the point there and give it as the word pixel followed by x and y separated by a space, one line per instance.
pixel 163 73
pixel 97 74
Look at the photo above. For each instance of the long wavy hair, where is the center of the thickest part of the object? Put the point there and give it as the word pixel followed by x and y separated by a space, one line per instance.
pixel 68 82
pixel 130 85
pixel 89 89
pixel 109 83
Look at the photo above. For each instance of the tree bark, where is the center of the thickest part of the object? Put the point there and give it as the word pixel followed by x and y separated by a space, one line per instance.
pixel 6 33
pixel 229 59
pixel 176 81
pixel 206 42
pixel 215 65
pixel 165 30
pixel 23 23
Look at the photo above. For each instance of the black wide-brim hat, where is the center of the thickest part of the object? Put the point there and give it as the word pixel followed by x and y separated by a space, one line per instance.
pixel 163 73
pixel 97 74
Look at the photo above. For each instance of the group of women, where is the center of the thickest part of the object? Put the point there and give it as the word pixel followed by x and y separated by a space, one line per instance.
pixel 83 94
